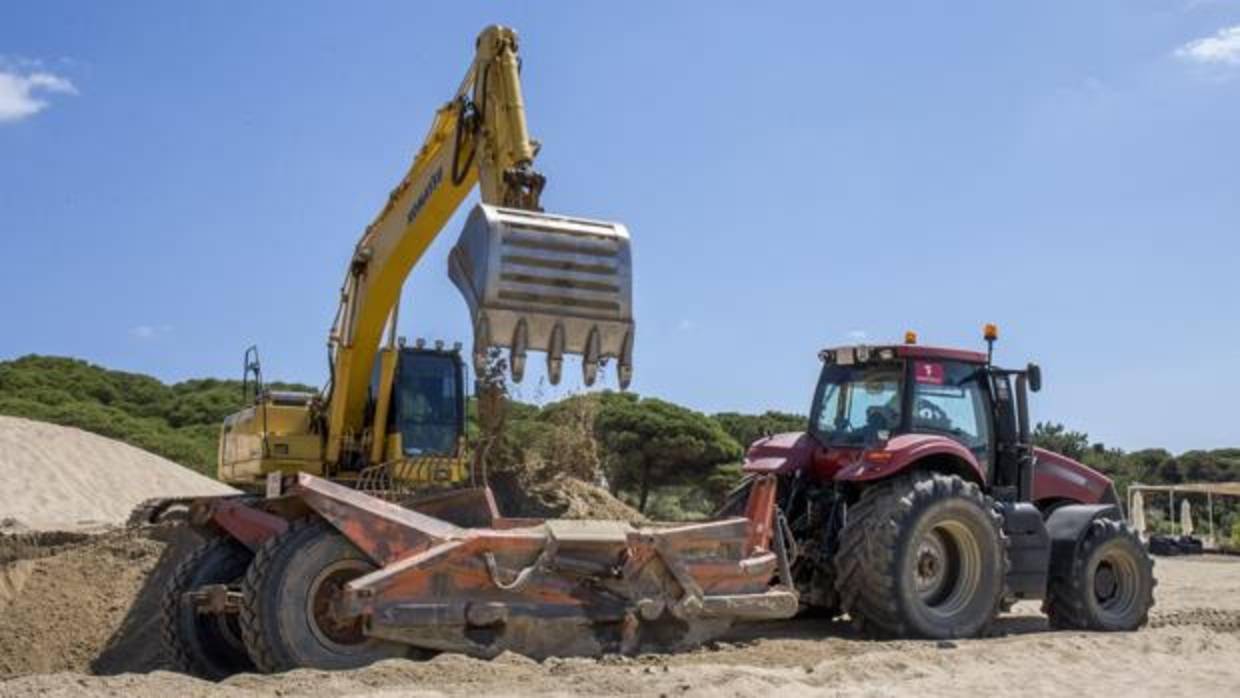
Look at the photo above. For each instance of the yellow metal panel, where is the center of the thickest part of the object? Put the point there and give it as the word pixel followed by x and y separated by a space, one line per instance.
pixel 415 213
pixel 387 372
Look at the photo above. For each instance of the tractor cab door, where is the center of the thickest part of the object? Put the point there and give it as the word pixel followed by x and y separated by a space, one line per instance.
pixel 951 398
pixel 428 403
pixel 1005 475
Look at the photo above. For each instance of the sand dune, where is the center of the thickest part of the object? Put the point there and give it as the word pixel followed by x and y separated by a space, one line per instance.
pixel 60 478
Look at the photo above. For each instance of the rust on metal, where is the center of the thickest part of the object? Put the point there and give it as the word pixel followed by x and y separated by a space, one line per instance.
pixel 471 507
pixel 250 525
pixel 760 512
pixel 384 531
pixel 549 588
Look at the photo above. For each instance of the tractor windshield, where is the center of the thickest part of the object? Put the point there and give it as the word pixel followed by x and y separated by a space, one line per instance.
pixel 856 405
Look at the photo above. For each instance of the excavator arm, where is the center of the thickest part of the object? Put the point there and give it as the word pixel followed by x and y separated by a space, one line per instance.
pixel 531 280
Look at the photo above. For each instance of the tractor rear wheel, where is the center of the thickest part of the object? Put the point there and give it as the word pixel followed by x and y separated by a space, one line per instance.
pixel 922 556
pixel 1109 583
pixel 206 645
pixel 288 618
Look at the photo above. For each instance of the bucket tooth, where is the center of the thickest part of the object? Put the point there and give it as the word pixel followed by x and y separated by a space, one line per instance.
pixel 555 354
pixel 520 342
pixel 482 343
pixel 590 358
pixel 624 366
pixel 566 280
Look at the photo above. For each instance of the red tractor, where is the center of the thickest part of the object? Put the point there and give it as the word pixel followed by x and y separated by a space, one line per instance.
pixel 919 506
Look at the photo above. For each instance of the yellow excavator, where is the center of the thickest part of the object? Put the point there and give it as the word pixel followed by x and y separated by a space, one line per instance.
pixel 391 416
pixel 532 281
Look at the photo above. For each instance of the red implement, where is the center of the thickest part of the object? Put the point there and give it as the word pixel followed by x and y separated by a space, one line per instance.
pixel 554 587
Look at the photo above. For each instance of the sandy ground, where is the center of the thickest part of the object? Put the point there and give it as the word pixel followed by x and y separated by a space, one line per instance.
pixel 85 609
pixel 60 478
pixel 79 616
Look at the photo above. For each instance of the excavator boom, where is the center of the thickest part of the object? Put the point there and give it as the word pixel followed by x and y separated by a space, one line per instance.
pixel 354 554
pixel 559 284
pixel 531 280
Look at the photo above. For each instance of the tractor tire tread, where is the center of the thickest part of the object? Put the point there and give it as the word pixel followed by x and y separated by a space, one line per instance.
pixel 1064 605
pixel 180 656
pixel 866 562
pixel 252 634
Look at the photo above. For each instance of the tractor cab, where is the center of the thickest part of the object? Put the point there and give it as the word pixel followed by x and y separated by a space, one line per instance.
pixel 867 396
pixel 921 507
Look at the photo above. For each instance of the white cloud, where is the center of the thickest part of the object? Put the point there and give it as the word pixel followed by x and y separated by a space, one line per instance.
pixel 858 335
pixel 1223 47
pixel 145 332
pixel 19 90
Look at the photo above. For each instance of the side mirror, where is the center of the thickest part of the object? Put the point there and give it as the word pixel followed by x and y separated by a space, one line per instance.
pixel 251 366
pixel 1034 373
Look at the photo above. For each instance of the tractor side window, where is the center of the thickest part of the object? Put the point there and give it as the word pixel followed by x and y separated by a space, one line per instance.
pixel 950 399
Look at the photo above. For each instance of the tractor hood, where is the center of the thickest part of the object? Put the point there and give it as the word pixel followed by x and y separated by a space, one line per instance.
pixel 781 453
pixel 1056 477
pixel 1059 478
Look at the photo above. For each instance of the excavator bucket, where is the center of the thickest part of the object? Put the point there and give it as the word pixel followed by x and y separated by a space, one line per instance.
pixel 550 283
pixel 547 587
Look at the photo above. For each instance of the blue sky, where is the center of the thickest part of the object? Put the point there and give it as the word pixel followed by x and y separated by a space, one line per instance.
pixel 178 181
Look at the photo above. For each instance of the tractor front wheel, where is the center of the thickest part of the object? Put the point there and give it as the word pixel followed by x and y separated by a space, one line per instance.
pixel 288 617
pixel 1107 585
pixel 922 556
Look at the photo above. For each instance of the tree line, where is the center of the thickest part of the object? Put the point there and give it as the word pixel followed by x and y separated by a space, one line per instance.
pixel 180 422
pixel 667 460
pixel 651 451
pixel 1155 466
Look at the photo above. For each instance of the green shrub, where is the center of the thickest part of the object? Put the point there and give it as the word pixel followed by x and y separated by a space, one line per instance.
pixel 179 422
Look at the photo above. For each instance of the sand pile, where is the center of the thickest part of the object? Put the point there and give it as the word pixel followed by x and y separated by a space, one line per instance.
pixel 561 497
pixel 85 603
pixel 62 478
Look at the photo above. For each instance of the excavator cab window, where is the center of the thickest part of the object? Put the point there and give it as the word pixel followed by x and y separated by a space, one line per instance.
pixel 428 404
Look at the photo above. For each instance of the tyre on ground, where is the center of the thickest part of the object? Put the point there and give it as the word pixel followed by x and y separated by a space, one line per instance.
pixel 206 645
pixel 922 555
pixel 287 614
pixel 1108 584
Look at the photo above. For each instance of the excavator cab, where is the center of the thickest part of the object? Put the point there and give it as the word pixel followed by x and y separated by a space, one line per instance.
pixel 427 413
pixel 423 443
